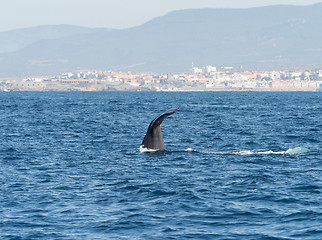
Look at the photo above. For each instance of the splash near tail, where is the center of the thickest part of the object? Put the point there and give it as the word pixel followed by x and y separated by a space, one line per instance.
pixel 147 150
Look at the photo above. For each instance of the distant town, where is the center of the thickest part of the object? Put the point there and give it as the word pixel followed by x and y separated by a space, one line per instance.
pixel 206 78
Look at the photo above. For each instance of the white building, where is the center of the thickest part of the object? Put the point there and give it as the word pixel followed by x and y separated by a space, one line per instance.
pixel 209 69
pixel 196 70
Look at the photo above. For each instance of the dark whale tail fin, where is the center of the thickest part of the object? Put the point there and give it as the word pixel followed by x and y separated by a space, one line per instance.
pixel 153 138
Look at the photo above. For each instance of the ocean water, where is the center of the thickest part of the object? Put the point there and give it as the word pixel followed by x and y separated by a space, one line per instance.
pixel 238 165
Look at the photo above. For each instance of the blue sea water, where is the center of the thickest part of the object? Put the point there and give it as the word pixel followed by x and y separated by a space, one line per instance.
pixel 71 166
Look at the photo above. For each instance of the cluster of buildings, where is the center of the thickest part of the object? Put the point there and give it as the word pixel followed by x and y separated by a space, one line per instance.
pixel 208 78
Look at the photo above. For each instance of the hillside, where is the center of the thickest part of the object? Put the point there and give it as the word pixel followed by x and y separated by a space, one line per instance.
pixel 256 37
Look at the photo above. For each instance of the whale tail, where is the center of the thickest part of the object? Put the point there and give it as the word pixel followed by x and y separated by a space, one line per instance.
pixel 153 138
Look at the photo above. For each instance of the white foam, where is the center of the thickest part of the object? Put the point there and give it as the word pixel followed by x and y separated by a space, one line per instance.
pixel 189 150
pixel 270 152
pixel 143 149
pixel 249 152
pixel 290 151
pixel 245 152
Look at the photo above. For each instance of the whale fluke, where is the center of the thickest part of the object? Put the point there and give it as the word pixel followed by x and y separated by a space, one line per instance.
pixel 153 138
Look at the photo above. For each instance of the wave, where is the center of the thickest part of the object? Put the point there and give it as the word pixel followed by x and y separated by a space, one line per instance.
pixel 291 151
pixel 297 150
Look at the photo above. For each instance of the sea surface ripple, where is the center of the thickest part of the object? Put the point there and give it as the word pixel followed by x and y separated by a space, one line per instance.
pixel 238 165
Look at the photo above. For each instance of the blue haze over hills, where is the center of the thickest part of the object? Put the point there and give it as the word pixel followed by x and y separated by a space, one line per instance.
pixel 257 37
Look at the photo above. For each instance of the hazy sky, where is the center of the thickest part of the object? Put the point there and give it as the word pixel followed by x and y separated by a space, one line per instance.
pixel 109 13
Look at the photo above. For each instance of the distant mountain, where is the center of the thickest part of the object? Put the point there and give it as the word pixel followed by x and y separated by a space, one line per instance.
pixel 256 37
pixel 15 40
